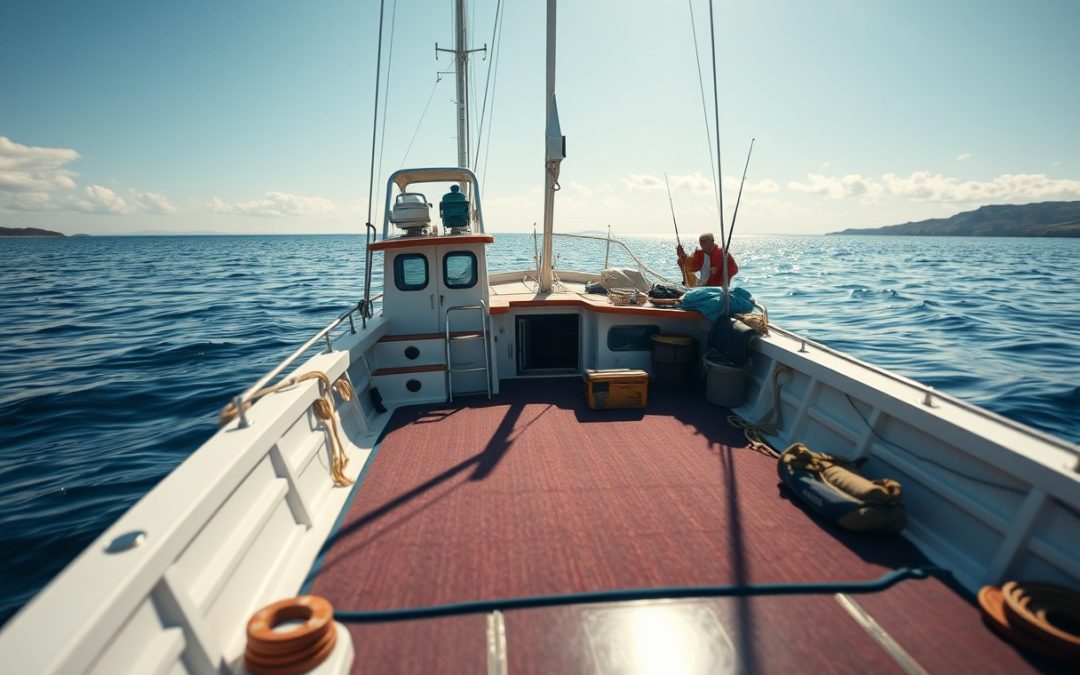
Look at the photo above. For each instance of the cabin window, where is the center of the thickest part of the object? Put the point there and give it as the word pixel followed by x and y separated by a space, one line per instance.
pixel 459 269
pixel 631 338
pixel 410 272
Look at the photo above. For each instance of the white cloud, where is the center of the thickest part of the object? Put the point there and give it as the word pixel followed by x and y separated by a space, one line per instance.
pixel 25 201
pixel 26 168
pixel 636 182
pixel 731 184
pixel 840 187
pixel 696 183
pixel 100 199
pixel 963 156
pixel 926 187
pixel 283 204
pixel 579 188
pixel 34 180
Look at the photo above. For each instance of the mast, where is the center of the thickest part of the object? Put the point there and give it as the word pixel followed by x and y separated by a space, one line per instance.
pixel 461 53
pixel 554 153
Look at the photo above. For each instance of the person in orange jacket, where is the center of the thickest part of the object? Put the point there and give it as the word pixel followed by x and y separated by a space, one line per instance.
pixel 707 259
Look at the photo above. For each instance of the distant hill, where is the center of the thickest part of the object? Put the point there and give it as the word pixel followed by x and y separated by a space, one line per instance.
pixel 1047 219
pixel 28 232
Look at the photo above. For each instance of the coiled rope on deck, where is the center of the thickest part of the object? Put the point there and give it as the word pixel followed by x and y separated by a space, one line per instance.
pixel 768 425
pixel 323 407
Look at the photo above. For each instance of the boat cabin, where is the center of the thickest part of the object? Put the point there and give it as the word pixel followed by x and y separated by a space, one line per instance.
pixel 436 289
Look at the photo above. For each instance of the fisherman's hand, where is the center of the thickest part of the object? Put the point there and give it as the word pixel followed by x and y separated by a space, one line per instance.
pixel 680 251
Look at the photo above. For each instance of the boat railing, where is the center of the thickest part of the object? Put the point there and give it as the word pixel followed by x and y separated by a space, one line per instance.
pixel 929 393
pixel 609 240
pixel 363 310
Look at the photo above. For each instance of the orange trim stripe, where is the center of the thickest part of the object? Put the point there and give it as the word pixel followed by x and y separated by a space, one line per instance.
pixel 416 242
pixel 602 309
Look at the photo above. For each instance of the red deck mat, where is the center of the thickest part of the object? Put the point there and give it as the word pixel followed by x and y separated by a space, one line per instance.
pixel 532 493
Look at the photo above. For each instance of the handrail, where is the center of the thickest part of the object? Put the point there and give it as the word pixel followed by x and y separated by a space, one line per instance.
pixel 362 307
pixel 626 248
pixel 929 392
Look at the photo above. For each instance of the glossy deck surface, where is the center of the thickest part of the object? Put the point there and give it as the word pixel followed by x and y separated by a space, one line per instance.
pixel 532 493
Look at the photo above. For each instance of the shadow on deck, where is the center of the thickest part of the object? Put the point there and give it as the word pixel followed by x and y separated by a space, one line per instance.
pixel 532 493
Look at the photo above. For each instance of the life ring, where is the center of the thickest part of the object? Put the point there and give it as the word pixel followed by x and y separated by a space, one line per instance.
pixel 297 650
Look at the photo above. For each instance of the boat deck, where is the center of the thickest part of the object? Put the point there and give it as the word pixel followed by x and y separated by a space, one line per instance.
pixel 532 493
pixel 507 295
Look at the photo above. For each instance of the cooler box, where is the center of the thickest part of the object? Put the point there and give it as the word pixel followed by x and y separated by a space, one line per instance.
pixel 607 389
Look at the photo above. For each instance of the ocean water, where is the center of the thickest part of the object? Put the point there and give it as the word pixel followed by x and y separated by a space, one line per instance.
pixel 116 353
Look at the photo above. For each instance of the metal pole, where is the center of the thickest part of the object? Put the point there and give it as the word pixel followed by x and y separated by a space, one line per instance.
pixel 552 155
pixel 716 117
pixel 462 57
pixel 607 249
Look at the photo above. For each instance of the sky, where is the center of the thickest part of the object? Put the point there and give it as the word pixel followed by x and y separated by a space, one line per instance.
pixel 126 117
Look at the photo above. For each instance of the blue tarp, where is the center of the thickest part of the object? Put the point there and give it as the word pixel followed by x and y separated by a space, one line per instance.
pixel 709 300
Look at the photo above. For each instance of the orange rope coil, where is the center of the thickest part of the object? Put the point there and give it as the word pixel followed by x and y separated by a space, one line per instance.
pixel 297 650
pixel 1044 618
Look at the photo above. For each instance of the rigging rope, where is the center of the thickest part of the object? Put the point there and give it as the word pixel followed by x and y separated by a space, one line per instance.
pixel 641 265
pixel 716 117
pixel 386 95
pixel 375 114
pixel 494 85
pixel 323 407
pixel 769 424
pixel 438 79
pixel 704 109
pixel 487 84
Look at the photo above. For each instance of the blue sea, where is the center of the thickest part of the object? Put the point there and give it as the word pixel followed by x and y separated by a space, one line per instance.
pixel 116 353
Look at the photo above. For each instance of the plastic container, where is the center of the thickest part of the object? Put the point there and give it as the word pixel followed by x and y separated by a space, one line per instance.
pixel 725 384
pixel 674 361
pixel 611 389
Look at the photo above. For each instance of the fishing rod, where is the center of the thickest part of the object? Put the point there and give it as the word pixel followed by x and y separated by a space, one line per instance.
pixel 685 273
pixel 731 230
pixel 726 250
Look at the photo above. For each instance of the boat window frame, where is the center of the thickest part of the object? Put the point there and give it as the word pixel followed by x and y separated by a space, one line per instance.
pixel 650 329
pixel 399 272
pixel 475 270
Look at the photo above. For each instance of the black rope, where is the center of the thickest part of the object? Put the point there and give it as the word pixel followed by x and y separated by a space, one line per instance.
pixel 882 583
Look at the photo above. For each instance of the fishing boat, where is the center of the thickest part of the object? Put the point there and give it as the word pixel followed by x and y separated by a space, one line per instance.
pixel 437 475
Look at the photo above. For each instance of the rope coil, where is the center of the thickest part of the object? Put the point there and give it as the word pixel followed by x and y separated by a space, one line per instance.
pixel 290 651
pixel 1041 617
pixel 322 407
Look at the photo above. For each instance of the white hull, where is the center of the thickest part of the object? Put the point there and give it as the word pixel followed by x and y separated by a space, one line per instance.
pixel 240 522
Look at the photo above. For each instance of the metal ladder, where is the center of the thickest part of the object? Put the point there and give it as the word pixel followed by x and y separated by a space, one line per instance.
pixel 471 335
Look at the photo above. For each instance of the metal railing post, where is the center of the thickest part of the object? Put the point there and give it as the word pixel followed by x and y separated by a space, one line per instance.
pixel 241 414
